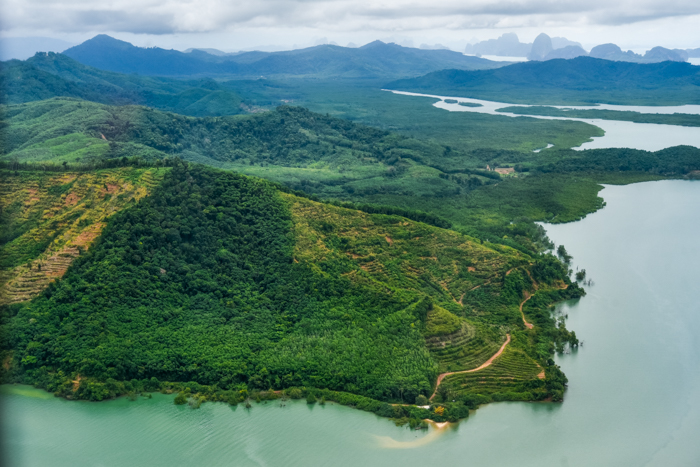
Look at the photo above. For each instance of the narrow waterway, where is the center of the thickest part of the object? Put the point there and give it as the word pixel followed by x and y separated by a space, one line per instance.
pixel 618 134
pixel 633 396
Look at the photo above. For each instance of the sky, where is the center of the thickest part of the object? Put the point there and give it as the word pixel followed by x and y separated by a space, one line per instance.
pixel 232 25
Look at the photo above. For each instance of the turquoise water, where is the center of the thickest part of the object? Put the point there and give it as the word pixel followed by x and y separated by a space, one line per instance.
pixel 633 397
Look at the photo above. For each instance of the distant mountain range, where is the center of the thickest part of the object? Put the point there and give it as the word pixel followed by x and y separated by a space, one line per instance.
pixel 546 48
pixel 374 60
pixel 508 45
pixel 582 79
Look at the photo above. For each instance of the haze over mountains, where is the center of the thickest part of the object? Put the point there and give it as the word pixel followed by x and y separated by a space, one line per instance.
pixel 374 60
pixel 509 45
pixel 115 72
pixel 549 48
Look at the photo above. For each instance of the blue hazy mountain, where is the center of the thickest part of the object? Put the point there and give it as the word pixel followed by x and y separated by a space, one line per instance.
pixel 655 55
pixel 568 52
pixel 509 45
pixel 374 60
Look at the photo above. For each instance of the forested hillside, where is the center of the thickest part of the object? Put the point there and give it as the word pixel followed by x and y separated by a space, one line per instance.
pixel 48 75
pixel 336 159
pixel 583 80
pixel 225 281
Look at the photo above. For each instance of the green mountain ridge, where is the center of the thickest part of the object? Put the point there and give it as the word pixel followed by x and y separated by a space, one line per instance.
pixel 582 80
pixel 49 75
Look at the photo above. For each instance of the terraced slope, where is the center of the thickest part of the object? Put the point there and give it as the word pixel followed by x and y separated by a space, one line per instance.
pixel 466 348
pixel 49 219
pixel 512 376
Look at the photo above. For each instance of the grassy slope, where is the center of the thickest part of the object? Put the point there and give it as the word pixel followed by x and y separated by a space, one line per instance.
pixel 220 279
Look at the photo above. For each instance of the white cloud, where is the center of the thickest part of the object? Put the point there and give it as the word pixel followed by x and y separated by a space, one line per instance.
pixel 298 20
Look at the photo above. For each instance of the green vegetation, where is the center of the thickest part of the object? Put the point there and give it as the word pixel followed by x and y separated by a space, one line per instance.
pixel 480 136
pixel 55 75
pixel 679 119
pixel 679 161
pixel 513 376
pixel 140 272
pixel 225 281
pixel 50 219
pixel 334 159
pixel 582 80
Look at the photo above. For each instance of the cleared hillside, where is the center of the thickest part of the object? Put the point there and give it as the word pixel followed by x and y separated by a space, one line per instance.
pixel 50 219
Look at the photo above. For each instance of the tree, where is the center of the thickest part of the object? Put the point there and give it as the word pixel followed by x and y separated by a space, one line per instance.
pixel 181 399
pixel 421 400
pixel 311 399
pixel 563 254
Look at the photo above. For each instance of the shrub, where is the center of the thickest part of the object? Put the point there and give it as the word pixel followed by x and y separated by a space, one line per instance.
pixel 421 400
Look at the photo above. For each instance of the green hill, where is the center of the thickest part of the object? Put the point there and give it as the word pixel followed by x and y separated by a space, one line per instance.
pixel 582 80
pixel 337 159
pixel 48 75
pixel 374 60
pixel 228 283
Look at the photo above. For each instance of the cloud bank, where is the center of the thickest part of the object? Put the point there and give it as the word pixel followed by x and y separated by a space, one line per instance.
pixel 203 16
pixel 239 24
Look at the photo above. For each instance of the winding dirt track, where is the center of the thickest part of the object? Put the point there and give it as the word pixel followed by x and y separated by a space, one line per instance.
pixel 484 365
pixel 527 297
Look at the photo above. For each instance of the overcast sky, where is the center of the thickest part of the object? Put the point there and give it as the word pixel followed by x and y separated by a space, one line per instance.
pixel 235 24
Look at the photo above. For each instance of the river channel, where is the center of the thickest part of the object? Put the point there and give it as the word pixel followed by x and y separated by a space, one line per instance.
pixel 618 134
